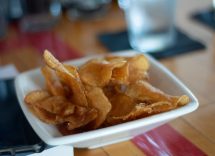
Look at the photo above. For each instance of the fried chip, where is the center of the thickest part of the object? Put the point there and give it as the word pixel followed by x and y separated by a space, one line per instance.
pixel 46 116
pixel 137 112
pixel 69 77
pixel 99 101
pixel 138 67
pixel 183 100
pixel 161 106
pixel 53 84
pixel 36 96
pixel 57 105
pixel 120 75
pixel 121 104
pixel 138 62
pixel 77 121
pixel 141 110
pixel 144 91
pixel 116 61
pixel 133 69
pixel 96 73
pixel 111 58
pixel 57 110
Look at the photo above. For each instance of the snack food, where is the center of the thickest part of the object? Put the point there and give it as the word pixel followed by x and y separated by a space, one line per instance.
pixel 101 92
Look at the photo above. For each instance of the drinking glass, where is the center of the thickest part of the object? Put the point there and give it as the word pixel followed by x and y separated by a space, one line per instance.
pixel 150 23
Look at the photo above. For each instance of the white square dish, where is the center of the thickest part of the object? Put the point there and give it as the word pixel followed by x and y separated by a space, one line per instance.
pixel 159 77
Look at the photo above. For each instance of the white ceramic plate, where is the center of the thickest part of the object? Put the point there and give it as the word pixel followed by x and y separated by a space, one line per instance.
pixel 159 77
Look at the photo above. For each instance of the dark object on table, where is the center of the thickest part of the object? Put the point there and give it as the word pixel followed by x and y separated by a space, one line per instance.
pixel 40 15
pixel 183 44
pixel 206 17
pixel 82 9
pixel 16 135
pixel 3 18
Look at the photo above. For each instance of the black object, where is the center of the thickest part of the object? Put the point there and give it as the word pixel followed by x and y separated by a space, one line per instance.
pixel 183 44
pixel 206 17
pixel 16 135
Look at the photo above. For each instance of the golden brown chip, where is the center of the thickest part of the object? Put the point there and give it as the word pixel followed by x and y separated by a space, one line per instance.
pixel 52 82
pixel 120 71
pixel 138 62
pixel 76 87
pixel 57 105
pixel 161 106
pixel 111 58
pixel 137 112
pixel 99 101
pixel 138 66
pixel 46 116
pixel 96 73
pixel 77 121
pixel 57 110
pixel 35 96
pixel 141 110
pixel 120 75
pixel 72 70
pixel 116 62
pixel 69 77
pixel 53 63
pixel 144 91
pixel 121 104
pixel 183 100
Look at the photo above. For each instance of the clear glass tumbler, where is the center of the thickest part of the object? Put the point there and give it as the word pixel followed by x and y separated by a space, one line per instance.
pixel 150 23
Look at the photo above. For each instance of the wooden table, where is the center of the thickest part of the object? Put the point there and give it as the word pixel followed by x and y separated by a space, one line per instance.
pixel 196 70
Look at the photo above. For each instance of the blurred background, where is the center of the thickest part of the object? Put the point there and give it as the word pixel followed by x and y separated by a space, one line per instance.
pixel 30 26
pixel 71 28
pixel 75 28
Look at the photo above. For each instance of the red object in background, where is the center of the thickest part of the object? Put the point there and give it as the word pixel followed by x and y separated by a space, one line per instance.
pixel 40 41
pixel 165 141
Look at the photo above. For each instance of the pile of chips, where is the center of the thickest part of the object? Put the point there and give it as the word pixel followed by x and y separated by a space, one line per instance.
pixel 102 92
